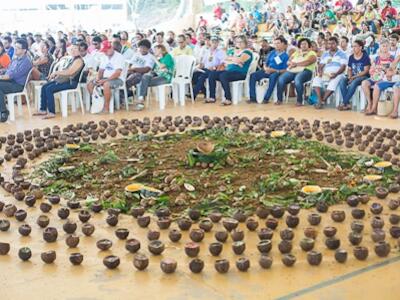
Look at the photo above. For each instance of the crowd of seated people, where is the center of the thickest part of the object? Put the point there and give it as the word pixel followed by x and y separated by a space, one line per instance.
pixel 332 46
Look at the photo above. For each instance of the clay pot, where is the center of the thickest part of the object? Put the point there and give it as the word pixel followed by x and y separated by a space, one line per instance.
pixel 285 246
pixel 97 207
pixel 215 217
pixel 287 234
pixel 264 246
pixel 394 219
pixel 206 225
pixel 30 200
pixel 63 213
pixel 143 221
pixel 243 264
pixel 112 220
pixel 221 236
pixel 357 226
pixel 164 223
pixel 140 261
pixel 364 198
pixel 221 266
pixel 251 224
pixel 111 262
pixel 24 229
pixel 88 229
pixel 381 192
pixel 394 187
pixel 9 210
pixel 4 225
pixel 393 204
pixel 184 224
pixel 45 207
pixel 395 231
pixel 262 212
pixel 54 199
pixel 70 227
pixel 168 265
pixel 76 259
pixel 122 233
pixel 84 216
pixel 153 235
pixel 292 221
pixel 265 234
pixel 338 216
pixel 307 244
pixel 73 204
pixel 48 257
pixel 4 248
pixel 132 245
pixel 314 219
pixel 230 224
pixel 196 235
pixel 72 241
pixel 377 222
pixel 358 213
pixel 137 211
pixel 192 249
pixel 355 238
pixel 376 208
pixel 1 206
pixel 50 234
pixel 332 243
pixel 330 231
pixel 215 248
pixel 314 258
pixel 240 216
pixel 238 247
pixel 277 211
pixel 194 214
pixel 175 235
pixel 289 260
pixel 196 265
pixel 265 262
pixel 352 200
pixel 43 221
pixel 341 255
pixel 104 244
pixel 271 223
pixel 20 215
pixel 378 235
pixel 24 253
pixel 156 247
pixel 310 232
pixel 360 252
pixel 237 235
pixel 322 207
pixel 382 249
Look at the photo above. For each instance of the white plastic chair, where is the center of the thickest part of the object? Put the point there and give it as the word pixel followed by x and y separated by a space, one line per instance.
pixel 115 92
pixel 10 99
pixel 64 99
pixel 184 68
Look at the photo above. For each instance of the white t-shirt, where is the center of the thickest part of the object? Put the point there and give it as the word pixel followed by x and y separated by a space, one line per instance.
pixel 110 65
pixel 141 61
pixel 128 53
pixel 90 62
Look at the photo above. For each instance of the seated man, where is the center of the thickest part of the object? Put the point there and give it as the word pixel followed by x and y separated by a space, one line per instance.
pixel 142 62
pixel 14 79
pixel 183 48
pixel 330 71
pixel 90 63
pixel 275 64
pixel 109 73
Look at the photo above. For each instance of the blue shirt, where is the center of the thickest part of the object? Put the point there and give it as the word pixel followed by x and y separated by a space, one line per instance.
pixel 372 50
pixel 333 62
pixel 246 65
pixel 358 66
pixel 19 69
pixel 10 52
pixel 277 60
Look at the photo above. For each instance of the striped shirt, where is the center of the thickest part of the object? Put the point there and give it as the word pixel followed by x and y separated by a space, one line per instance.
pixel 333 62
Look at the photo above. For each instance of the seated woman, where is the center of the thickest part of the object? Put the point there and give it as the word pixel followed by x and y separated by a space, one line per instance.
pixel 236 69
pixel 357 71
pixel 65 79
pixel 161 74
pixel 61 49
pixel 300 69
pixel 380 73
pixel 4 59
pixel 396 100
pixel 42 63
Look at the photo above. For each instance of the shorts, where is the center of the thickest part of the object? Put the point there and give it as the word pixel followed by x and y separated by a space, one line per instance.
pixel 331 85
pixel 382 85
pixel 114 83
pixel 397 85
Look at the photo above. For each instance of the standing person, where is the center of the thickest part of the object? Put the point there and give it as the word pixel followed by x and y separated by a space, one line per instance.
pixel 4 59
pixel 8 46
pixel 330 71
pixel 357 71
pixel 62 80
pixel 109 75
pixel 15 78
pixel 301 67
pixel 236 69
pixel 275 65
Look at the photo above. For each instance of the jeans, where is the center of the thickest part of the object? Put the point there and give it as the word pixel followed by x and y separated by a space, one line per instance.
pixel 48 91
pixel 148 80
pixel 299 80
pixel 225 77
pixel 347 90
pixel 8 87
pixel 372 26
pixel 199 79
pixel 259 75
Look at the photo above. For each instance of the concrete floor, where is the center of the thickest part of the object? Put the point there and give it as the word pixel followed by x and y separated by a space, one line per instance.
pixel 372 279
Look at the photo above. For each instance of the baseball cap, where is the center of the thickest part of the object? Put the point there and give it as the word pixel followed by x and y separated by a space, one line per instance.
pixel 105 45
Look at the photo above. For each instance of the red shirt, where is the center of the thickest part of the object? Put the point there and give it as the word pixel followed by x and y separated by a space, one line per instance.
pixel 218 12
pixel 388 11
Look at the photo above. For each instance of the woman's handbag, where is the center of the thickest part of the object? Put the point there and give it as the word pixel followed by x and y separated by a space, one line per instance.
pixel 97 101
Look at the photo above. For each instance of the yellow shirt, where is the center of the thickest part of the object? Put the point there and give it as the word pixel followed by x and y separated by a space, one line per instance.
pixel 185 51
pixel 299 57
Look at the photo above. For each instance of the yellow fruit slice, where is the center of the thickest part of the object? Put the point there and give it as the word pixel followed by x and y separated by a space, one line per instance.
pixel 72 146
pixel 383 164
pixel 311 189
pixel 372 178
pixel 134 187
pixel 278 133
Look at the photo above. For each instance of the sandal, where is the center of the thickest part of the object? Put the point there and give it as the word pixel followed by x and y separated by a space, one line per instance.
pixel 319 105
pixel 209 101
pixel 299 104
pixel 278 103
pixel 49 116
pixel 393 116
pixel 226 102
pixel 370 113
pixel 40 113
pixel 344 107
